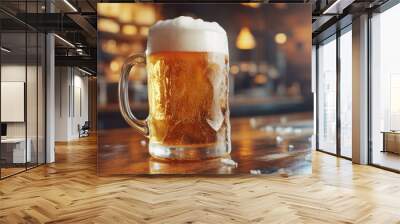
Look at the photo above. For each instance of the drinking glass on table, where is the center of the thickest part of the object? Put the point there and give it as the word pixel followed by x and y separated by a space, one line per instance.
pixel 187 63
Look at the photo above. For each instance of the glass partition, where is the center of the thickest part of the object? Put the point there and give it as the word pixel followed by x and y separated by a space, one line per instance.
pixel 385 89
pixel 31 97
pixel 41 96
pixel 327 95
pixel 346 93
pixel 22 77
pixel 14 153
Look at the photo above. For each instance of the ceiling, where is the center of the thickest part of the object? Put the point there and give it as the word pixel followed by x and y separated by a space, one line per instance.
pixel 330 15
pixel 76 21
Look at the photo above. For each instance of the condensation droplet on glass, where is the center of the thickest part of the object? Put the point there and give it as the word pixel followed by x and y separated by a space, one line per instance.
pixel 229 162
pixel 255 172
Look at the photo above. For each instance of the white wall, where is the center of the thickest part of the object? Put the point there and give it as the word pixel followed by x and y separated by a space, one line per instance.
pixel 71 93
pixel 80 102
pixel 33 126
pixel 14 73
pixel 62 81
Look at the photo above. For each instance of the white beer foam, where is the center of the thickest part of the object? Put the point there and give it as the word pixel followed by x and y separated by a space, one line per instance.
pixel 187 34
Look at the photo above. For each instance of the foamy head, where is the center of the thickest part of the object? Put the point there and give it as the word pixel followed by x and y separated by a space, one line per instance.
pixel 187 34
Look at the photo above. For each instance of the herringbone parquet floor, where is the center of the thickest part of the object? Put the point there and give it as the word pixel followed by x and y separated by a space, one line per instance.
pixel 70 192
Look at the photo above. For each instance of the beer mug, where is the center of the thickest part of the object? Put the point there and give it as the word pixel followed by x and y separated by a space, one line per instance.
pixel 187 64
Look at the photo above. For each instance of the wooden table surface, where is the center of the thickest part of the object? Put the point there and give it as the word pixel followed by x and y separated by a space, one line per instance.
pixel 255 148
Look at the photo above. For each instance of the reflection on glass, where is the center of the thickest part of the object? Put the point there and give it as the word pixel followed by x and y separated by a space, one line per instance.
pixel 327 96
pixel 385 84
pixel 14 153
pixel 346 94
pixel 41 99
pixel 31 97
pixel 22 91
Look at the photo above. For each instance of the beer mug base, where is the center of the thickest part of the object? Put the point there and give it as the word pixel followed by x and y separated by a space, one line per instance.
pixel 188 153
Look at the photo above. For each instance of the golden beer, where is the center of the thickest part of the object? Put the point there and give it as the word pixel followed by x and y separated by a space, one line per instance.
pixel 188 97
pixel 187 63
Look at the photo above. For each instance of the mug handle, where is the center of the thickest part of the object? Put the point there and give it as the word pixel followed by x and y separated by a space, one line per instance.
pixel 123 97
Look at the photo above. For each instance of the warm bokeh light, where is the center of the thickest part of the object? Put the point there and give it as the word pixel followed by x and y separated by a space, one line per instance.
pixel 146 15
pixel 108 25
pixel 251 4
pixel 129 30
pixel 140 14
pixel 234 69
pixel 138 74
pixel 144 31
pixel 245 39
pixel 260 79
pixel 108 10
pixel 244 67
pixel 280 38
pixel 115 65
pixel 110 46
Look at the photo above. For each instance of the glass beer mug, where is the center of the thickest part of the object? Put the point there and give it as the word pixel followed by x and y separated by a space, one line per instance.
pixel 187 64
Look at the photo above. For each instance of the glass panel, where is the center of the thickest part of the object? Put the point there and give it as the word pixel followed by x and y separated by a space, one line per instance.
pixel 23 89
pixel 327 96
pixel 31 98
pixel 13 87
pixel 32 88
pixel 346 94
pixel 41 99
pixel 385 84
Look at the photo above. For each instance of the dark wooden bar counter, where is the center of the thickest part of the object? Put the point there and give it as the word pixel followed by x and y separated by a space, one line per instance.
pixel 255 148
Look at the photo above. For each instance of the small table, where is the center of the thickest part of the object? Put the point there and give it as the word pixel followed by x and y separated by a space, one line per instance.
pixel 391 141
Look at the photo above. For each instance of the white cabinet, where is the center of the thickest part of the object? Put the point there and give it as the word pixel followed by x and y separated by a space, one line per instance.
pixel 15 148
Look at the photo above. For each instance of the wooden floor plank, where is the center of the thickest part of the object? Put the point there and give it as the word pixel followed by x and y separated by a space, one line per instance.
pixel 69 191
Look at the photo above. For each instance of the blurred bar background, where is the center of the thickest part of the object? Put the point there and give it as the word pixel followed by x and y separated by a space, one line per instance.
pixel 269 46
